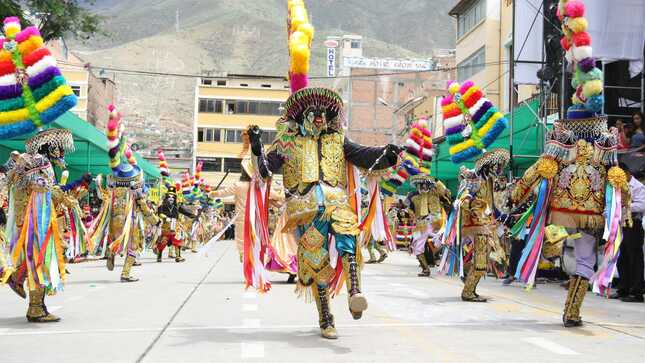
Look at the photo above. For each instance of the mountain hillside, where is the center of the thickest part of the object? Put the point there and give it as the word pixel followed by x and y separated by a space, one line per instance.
pixel 243 36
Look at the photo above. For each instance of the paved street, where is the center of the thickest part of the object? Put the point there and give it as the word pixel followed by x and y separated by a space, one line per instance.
pixel 199 312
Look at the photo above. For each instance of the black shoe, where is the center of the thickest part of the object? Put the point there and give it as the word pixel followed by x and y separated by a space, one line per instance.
pixel 291 279
pixel 632 298
pixel 571 323
pixel 617 295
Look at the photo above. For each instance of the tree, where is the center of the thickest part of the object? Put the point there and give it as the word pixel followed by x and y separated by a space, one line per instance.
pixel 55 18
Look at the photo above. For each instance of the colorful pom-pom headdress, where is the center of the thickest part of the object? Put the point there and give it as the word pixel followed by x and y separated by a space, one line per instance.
pixel 124 173
pixel 301 35
pixel 471 121
pixel 416 160
pixel 33 92
pixel 583 117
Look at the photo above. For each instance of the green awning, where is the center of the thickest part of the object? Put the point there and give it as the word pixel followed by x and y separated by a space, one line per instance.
pixel 91 152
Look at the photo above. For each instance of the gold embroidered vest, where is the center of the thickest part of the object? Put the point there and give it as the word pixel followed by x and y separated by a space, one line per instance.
pixel 314 160
pixel 578 196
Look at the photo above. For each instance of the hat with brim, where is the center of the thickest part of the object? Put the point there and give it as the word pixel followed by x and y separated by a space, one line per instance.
pixel 318 97
pixel 496 157
pixel 61 138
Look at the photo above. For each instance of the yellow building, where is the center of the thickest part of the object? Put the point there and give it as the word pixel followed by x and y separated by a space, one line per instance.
pixel 224 107
pixel 75 73
pixel 484 48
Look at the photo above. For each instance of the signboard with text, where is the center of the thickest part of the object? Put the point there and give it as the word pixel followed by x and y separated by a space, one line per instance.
pixel 391 64
pixel 331 62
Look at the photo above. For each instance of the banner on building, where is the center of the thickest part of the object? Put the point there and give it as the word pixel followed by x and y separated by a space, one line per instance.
pixel 388 64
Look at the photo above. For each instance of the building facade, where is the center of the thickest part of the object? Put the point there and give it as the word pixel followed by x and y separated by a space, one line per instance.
pixel 484 49
pixel 224 107
pixel 380 93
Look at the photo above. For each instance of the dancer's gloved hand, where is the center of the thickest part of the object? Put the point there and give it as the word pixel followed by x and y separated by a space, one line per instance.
pixel 392 153
pixel 255 138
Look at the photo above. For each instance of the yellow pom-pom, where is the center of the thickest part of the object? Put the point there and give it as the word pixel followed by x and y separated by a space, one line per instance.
pixel 454 88
pixel 617 177
pixel 308 30
pixel 578 25
pixel 547 168
pixel 11 30
pixel 298 17
pixel 592 88
pixel 576 101
pixel 300 59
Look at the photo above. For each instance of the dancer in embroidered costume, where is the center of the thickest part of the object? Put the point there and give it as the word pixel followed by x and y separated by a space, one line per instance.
pixel 168 213
pixel 318 164
pixel 33 95
pixel 472 124
pixel 125 210
pixel 577 181
pixel 430 202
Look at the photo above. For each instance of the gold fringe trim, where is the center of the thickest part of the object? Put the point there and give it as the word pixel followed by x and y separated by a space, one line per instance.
pixel 308 292
pixel 582 221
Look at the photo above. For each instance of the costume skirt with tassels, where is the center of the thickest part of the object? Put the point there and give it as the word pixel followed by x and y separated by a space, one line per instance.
pixel 36 248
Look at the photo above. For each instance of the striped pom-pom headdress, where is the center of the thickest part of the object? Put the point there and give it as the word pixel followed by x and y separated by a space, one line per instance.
pixel 471 121
pixel 33 92
pixel 163 167
pixel 417 158
pixel 583 117
pixel 122 172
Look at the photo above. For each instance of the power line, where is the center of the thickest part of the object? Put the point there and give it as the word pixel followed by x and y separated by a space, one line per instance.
pixel 188 75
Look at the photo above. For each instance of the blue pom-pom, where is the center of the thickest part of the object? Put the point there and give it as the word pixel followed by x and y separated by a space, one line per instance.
pixel 594 103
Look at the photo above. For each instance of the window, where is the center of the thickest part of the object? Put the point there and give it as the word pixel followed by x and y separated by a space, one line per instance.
pixel 471 17
pixel 211 164
pixel 356 44
pixel 471 65
pixel 208 135
pixel 244 85
pixel 221 82
pixel 234 136
pixel 266 86
pixel 207 82
pixel 76 90
pixel 233 165
pixel 210 106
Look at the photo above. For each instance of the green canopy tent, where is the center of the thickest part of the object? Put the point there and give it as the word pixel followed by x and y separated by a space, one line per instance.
pixel 91 152
pixel 528 142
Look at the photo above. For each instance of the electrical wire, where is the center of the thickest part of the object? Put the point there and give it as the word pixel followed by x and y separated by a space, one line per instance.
pixel 188 75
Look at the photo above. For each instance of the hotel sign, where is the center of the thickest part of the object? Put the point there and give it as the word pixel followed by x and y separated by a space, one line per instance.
pixel 388 64
pixel 331 62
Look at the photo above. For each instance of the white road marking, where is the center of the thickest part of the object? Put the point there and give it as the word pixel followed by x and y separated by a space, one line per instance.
pixel 550 346
pixel 252 350
pixel 255 324
pixel 250 295
pixel 52 309
pixel 250 307
pixel 251 323
pixel 4 331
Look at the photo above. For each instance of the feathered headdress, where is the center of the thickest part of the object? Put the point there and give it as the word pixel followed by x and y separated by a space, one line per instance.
pixel 118 149
pixel 301 34
pixel 33 92
pixel 471 121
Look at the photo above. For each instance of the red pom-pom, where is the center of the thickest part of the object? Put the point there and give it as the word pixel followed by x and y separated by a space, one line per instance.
pixel 581 39
pixel 564 42
pixel 575 8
